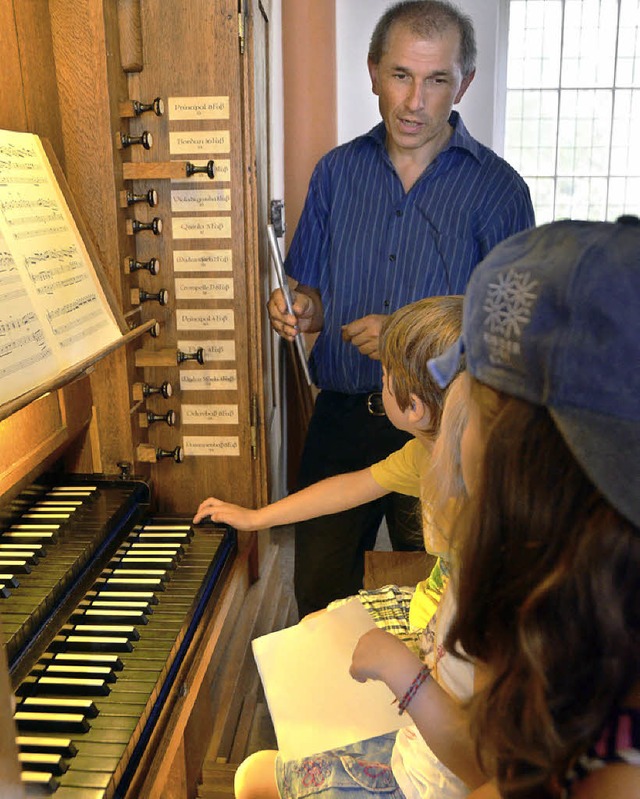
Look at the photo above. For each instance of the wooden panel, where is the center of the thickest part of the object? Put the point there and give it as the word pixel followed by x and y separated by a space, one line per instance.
pixel 13 114
pixel 91 84
pixel 28 91
pixel 396 568
pixel 34 437
pixel 205 35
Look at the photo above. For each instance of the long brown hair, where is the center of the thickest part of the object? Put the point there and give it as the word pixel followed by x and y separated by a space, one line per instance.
pixel 548 596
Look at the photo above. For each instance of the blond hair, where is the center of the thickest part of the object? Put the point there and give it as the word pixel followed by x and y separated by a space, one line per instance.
pixel 442 485
pixel 409 338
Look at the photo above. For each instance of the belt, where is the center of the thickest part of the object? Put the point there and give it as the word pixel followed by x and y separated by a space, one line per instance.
pixel 375 406
pixel 372 400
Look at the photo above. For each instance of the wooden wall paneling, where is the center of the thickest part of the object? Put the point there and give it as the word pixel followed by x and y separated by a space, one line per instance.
pixel 191 49
pixel 28 91
pixel 34 437
pixel 13 112
pixel 130 30
pixel 90 84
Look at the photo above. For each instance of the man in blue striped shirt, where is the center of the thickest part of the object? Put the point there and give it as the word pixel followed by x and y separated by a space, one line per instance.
pixel 403 212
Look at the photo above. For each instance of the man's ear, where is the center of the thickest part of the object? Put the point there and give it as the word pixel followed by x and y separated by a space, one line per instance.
pixel 373 74
pixel 466 82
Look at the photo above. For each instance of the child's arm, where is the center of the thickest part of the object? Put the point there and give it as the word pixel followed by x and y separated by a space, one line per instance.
pixel 338 493
pixel 441 721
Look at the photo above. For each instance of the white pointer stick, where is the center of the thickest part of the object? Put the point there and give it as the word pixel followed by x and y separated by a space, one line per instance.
pixel 284 286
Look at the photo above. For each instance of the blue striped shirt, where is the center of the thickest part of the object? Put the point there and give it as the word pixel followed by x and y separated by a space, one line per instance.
pixel 370 247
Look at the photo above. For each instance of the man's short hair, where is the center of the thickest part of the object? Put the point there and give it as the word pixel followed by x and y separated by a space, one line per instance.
pixel 426 19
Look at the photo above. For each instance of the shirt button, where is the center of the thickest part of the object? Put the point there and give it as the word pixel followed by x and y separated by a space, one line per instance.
pixel 392 257
pixel 398 213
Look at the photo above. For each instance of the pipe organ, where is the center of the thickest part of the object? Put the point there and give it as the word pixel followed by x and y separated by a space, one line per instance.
pixel 127 658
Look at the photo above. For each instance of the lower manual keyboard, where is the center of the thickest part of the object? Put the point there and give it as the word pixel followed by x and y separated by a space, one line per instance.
pixel 88 706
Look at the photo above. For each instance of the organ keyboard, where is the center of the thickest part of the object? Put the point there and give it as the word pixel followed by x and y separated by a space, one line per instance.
pixel 100 604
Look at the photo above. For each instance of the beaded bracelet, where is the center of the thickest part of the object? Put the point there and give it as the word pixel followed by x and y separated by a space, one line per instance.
pixel 421 676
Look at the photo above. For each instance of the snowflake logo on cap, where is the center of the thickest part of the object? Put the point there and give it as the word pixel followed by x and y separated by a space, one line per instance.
pixel 508 305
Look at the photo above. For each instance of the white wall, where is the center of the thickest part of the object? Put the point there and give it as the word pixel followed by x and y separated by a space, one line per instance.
pixel 357 106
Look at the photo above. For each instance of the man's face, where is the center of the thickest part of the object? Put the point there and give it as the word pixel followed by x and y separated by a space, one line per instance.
pixel 417 82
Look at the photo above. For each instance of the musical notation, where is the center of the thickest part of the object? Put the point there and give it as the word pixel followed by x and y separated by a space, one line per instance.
pixel 54 312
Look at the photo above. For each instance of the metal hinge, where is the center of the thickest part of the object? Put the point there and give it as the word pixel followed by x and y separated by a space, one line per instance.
pixel 254 427
pixel 242 16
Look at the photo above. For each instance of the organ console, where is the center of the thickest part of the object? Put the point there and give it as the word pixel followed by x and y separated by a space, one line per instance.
pixel 100 606
pixel 127 660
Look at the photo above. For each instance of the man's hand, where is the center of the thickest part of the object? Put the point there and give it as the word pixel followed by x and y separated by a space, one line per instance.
pixel 365 334
pixel 307 317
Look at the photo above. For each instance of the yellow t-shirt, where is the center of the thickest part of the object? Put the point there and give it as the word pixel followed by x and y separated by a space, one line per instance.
pixel 402 472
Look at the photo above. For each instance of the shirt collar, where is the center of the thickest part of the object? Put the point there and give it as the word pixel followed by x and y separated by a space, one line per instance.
pixel 460 139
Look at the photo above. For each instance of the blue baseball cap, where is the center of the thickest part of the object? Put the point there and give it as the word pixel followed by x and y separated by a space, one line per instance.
pixel 552 315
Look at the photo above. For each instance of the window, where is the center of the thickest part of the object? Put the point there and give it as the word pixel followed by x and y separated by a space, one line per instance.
pixel 572 127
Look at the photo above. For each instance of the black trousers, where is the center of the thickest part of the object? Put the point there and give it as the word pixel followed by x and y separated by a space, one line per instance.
pixel 329 550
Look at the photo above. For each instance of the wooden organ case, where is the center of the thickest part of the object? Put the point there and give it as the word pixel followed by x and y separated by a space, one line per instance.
pixel 157 113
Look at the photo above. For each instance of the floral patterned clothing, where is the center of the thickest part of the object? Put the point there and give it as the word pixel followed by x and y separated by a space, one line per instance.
pixel 395 766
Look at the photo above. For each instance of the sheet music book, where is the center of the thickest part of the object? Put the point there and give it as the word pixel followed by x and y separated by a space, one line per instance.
pixel 314 702
pixel 53 310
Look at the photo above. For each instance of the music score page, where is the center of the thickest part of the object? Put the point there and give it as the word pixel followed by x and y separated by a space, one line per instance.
pixel 53 311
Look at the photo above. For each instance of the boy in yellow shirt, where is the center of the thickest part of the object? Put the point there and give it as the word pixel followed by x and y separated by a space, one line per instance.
pixel 412 402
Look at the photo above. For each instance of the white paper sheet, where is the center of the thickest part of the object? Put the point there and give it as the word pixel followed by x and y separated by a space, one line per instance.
pixel 314 702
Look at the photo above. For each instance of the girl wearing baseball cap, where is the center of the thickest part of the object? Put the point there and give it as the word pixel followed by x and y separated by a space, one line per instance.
pixel 548 584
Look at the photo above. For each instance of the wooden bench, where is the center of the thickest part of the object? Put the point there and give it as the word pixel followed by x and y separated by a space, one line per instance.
pixel 396 568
